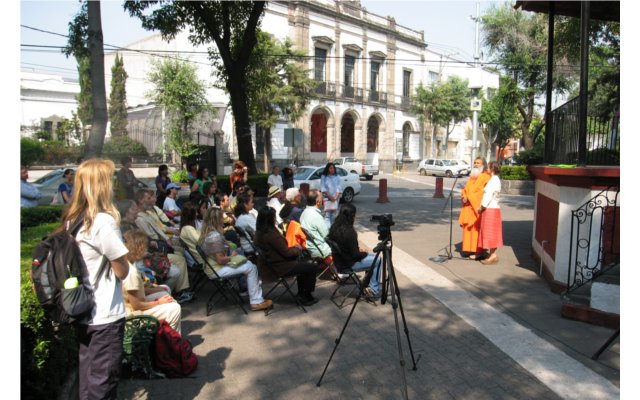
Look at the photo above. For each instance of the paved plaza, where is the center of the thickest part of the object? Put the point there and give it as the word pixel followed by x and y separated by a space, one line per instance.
pixel 477 332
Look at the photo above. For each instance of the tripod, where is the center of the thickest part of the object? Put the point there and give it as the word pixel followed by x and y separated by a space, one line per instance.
pixel 448 252
pixel 388 283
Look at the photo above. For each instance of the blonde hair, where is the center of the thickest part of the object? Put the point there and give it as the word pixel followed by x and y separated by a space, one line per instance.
pixel 92 193
pixel 213 221
pixel 137 243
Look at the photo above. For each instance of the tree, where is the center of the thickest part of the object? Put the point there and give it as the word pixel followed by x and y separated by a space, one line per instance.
pixel 279 86
pixel 443 105
pixel 178 90
pixel 118 98
pixel 232 26
pixel 77 45
pixel 499 116
pixel 518 43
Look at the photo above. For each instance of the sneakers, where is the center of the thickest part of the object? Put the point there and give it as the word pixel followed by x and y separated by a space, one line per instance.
pixel 265 305
pixel 370 294
pixel 184 297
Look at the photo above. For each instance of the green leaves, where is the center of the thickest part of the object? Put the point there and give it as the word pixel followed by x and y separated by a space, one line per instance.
pixel 118 98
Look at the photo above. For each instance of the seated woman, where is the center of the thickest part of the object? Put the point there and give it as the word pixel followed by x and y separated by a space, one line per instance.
pixel 351 255
pixel 245 219
pixel 282 258
pixel 189 234
pixel 222 200
pixel 223 260
pixel 148 298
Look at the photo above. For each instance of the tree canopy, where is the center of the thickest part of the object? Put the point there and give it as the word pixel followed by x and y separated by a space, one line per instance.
pixel 499 116
pixel 443 104
pixel 118 98
pixel 232 27
pixel 177 88
pixel 279 85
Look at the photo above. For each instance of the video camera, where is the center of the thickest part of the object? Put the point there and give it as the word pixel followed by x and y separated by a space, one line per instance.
pixel 385 221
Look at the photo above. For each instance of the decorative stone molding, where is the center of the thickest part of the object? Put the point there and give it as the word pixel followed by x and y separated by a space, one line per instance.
pixel 377 54
pixel 352 47
pixel 324 40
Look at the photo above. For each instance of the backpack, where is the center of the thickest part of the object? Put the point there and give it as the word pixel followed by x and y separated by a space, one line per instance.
pixel 159 263
pixel 173 354
pixel 61 279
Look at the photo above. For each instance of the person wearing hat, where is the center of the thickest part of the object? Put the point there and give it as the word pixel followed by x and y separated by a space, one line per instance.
pixel 274 201
pixel 170 207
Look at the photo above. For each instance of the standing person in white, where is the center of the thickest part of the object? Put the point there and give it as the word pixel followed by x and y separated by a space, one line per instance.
pixel 275 179
pixel 331 191
pixel 100 338
pixel 490 236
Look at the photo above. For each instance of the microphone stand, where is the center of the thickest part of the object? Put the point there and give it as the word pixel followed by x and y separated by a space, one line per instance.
pixel 448 252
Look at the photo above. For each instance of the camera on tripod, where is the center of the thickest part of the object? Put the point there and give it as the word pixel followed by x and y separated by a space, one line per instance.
pixel 385 221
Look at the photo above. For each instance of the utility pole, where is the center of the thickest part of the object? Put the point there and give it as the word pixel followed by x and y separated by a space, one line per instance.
pixel 476 59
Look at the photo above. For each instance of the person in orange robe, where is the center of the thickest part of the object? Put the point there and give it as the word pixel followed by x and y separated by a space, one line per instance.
pixel 469 219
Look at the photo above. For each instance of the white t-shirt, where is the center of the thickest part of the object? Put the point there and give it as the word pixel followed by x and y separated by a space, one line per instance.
pixel 170 205
pixel 275 180
pixel 491 196
pixel 248 223
pixel 104 238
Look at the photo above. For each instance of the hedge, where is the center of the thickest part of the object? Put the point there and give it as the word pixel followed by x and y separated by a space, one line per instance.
pixel 514 173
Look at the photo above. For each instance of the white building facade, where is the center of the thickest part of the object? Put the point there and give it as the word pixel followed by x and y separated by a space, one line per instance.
pixel 367 68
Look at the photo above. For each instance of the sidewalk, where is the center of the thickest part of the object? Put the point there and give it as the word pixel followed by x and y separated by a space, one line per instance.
pixel 477 332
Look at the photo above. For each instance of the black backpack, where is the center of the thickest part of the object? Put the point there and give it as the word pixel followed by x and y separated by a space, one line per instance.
pixel 57 259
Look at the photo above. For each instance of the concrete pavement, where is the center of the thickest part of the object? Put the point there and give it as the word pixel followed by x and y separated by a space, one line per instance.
pixel 478 332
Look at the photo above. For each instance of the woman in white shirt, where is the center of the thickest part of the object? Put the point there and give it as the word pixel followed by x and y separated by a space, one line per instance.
pixel 100 336
pixel 490 236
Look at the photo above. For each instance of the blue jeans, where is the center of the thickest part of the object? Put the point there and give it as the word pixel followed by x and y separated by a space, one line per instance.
pixel 365 263
pixel 329 217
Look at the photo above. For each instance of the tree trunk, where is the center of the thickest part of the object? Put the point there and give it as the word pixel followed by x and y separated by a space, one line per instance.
pixel 236 85
pixel 266 140
pixel 95 141
pixel 432 152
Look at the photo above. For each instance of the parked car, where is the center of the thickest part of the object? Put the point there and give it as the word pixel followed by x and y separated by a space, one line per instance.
pixel 462 163
pixel 311 175
pixel 442 168
pixel 351 164
pixel 48 185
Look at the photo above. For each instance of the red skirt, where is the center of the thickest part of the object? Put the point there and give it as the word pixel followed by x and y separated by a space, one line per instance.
pixel 490 229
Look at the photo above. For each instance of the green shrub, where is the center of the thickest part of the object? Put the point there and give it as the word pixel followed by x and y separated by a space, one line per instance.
pixel 179 176
pixel 34 216
pixel 46 358
pixel 603 156
pixel 530 157
pixel 30 151
pixel 514 173
pixel 57 153
pixel 120 146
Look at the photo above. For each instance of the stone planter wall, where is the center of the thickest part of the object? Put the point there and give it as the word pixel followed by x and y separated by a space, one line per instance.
pixel 526 188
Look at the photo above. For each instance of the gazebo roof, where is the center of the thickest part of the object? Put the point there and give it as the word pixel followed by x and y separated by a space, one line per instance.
pixel 603 10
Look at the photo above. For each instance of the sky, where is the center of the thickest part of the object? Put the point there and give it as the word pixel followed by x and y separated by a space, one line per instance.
pixel 447 25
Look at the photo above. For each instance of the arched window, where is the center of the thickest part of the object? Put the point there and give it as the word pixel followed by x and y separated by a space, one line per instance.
pixel 319 132
pixel 373 126
pixel 347 134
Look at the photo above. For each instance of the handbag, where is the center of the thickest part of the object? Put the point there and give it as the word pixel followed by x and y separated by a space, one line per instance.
pixel 159 263
pixel 236 261
pixel 329 205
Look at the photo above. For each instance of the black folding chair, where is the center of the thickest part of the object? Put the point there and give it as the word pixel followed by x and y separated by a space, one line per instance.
pixel 352 279
pixel 285 281
pixel 330 269
pixel 223 284
pixel 196 270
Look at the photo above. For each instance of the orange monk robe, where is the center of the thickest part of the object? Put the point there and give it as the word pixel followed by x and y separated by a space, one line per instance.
pixel 295 235
pixel 469 219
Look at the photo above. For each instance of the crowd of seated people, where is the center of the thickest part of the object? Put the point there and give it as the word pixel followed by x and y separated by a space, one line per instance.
pixel 209 219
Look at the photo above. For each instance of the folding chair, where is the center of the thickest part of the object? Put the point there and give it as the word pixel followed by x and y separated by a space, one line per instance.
pixel 329 268
pixel 196 269
pixel 222 283
pixel 281 280
pixel 352 278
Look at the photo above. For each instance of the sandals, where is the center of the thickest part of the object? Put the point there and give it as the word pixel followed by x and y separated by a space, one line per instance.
pixel 490 261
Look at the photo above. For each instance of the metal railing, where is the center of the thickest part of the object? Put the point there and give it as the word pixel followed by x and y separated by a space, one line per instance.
pixel 595 238
pixel 562 137
pixel 333 91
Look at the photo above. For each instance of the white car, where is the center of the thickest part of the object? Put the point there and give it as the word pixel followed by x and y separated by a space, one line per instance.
pixel 311 175
pixel 446 168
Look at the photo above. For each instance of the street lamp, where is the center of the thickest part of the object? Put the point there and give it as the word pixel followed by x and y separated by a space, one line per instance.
pixel 475 105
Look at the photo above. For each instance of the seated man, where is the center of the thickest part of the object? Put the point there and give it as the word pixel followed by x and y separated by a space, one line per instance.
pixel 145 200
pixel 146 299
pixel 313 222
pixel 170 207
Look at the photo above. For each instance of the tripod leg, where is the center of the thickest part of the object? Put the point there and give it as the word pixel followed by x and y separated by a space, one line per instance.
pixel 404 320
pixel 367 277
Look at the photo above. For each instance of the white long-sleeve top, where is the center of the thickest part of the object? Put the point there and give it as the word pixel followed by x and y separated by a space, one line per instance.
pixel 491 196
